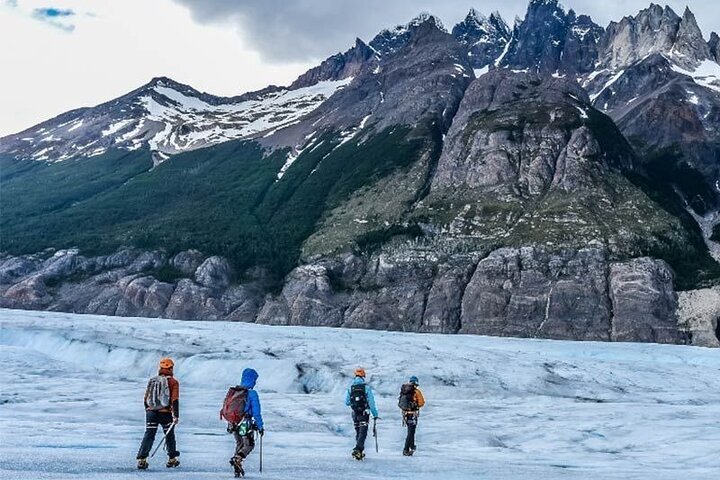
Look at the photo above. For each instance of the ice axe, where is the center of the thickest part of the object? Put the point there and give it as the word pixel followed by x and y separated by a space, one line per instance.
pixel 163 440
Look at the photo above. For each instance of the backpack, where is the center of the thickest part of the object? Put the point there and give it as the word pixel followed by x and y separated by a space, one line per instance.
pixel 406 400
pixel 157 393
pixel 233 409
pixel 358 398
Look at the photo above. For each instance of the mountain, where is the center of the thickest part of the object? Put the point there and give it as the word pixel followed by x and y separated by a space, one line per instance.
pixel 655 30
pixel 168 118
pixel 390 41
pixel 555 180
pixel 658 80
pixel 549 40
pixel 484 37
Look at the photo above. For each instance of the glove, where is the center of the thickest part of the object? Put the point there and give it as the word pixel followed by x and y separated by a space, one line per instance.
pixel 176 420
pixel 261 432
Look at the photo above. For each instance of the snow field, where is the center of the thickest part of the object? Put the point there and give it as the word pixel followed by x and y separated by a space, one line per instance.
pixel 71 402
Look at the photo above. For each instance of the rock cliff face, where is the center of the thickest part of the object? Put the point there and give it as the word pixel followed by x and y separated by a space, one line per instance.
pixel 527 292
pixel 125 284
pixel 525 132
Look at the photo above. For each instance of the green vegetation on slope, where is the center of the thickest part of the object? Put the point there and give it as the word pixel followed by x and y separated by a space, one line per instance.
pixel 222 200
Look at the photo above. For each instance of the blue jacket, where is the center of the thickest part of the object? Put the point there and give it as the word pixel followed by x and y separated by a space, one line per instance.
pixel 252 406
pixel 368 393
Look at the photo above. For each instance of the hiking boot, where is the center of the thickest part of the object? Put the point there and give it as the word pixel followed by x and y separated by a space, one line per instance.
pixel 236 463
pixel 142 464
pixel 406 453
pixel 172 463
pixel 358 455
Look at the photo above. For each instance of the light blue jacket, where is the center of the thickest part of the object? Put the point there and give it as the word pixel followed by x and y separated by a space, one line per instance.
pixel 368 393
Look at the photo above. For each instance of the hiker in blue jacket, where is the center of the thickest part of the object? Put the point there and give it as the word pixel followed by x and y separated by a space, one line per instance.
pixel 245 432
pixel 360 398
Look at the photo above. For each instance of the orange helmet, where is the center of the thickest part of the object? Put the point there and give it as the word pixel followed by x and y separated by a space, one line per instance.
pixel 360 372
pixel 167 363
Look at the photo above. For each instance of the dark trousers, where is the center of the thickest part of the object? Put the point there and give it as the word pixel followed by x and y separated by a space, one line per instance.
pixel 153 421
pixel 360 421
pixel 244 444
pixel 411 420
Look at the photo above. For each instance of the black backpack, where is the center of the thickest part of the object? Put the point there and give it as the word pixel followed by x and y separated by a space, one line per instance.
pixel 358 398
pixel 406 400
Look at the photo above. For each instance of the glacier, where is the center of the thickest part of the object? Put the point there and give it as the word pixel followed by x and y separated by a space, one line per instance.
pixel 498 408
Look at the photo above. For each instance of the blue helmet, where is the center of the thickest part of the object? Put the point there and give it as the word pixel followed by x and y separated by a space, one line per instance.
pixel 414 380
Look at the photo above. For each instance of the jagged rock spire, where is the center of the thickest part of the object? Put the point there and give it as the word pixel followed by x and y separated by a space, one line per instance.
pixel 655 30
pixel 690 47
pixel 549 40
pixel 484 37
pixel 714 46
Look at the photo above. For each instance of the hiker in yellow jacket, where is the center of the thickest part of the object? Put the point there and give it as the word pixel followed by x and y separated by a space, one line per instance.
pixel 411 400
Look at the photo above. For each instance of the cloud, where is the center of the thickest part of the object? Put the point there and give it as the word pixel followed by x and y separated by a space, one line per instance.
pixel 56 17
pixel 309 29
pixel 282 30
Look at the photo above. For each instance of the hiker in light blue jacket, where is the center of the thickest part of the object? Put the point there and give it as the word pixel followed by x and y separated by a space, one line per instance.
pixel 360 398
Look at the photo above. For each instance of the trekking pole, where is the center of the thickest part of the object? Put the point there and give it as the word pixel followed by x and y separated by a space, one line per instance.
pixel 163 440
pixel 375 434
pixel 261 437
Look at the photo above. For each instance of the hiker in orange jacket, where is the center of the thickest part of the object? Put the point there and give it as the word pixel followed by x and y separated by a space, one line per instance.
pixel 162 408
pixel 411 400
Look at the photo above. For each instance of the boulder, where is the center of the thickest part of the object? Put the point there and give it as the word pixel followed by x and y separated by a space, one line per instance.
pixel 14 268
pixel 215 273
pixel 144 297
pixel 187 262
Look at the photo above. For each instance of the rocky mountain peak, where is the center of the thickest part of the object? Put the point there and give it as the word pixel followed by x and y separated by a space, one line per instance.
pixel 714 46
pixel 655 30
pixel 550 40
pixel 484 37
pixel 553 4
pixel 690 48
pixel 391 40
pixel 581 49
pixel 164 82
pixel 339 66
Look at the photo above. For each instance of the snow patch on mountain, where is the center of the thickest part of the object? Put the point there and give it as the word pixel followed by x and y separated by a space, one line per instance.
pixel 608 84
pixel 170 119
pixel 706 75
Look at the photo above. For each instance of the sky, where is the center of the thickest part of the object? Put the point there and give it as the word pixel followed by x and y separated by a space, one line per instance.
pixel 58 55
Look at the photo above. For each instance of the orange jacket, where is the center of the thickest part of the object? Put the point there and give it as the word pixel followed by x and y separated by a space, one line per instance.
pixel 419 398
pixel 174 385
